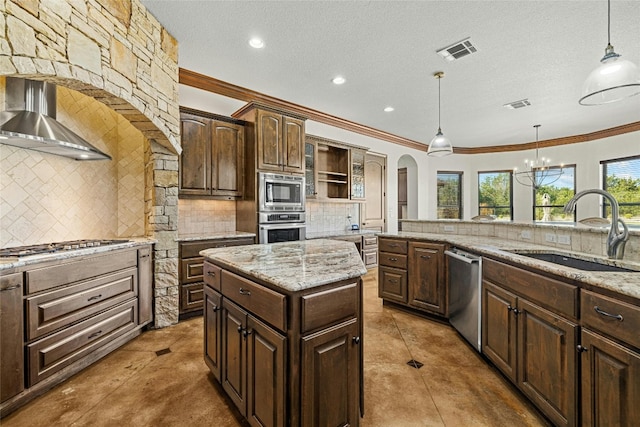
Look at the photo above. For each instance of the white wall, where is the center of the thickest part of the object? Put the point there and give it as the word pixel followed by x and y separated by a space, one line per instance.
pixel 586 156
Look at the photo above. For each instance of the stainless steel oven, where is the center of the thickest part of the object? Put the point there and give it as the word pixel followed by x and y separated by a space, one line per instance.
pixel 280 193
pixel 281 227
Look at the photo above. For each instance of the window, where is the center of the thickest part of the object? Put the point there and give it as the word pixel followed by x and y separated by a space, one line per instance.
pixel 550 197
pixel 495 196
pixel 449 195
pixel 621 178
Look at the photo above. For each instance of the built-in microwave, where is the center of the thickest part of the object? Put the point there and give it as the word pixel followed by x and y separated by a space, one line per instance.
pixel 277 192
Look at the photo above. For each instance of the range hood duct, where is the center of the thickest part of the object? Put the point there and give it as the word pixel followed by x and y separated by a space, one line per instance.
pixel 30 122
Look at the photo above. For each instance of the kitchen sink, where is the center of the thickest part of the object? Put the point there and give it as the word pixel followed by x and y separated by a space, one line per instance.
pixel 580 264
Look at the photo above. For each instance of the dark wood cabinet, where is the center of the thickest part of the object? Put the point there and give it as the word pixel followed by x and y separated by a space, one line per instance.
pixel 286 357
pixel 331 376
pixel 274 138
pixel 533 342
pixel 190 270
pixel 413 274
pixel 11 331
pixel 427 279
pixel 212 159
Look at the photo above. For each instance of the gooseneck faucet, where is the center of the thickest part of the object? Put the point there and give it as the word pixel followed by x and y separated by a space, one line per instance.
pixel 616 238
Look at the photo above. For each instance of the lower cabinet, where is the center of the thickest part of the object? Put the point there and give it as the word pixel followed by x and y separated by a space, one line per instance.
pixel 11 336
pixel 413 274
pixel 285 359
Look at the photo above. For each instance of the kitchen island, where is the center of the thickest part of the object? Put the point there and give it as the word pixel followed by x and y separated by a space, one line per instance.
pixel 283 330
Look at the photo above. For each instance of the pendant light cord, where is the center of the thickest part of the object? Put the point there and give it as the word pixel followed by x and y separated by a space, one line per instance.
pixel 609 22
pixel 439 128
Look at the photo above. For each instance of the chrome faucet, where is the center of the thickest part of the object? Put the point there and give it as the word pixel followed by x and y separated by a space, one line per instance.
pixel 616 238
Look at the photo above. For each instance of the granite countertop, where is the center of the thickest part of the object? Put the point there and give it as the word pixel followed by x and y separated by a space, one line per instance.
pixel 626 283
pixel 19 262
pixel 292 266
pixel 338 233
pixel 213 236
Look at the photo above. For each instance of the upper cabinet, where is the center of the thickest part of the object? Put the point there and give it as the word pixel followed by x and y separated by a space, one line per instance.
pixel 278 138
pixel 334 170
pixel 212 159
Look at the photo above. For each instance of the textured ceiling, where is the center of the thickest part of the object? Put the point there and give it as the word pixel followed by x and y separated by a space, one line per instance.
pixel 540 50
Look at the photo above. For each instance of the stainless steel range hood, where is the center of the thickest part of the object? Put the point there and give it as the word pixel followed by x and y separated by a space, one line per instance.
pixel 30 122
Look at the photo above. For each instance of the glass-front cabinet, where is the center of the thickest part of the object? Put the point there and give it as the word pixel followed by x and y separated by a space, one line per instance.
pixel 357 174
pixel 310 155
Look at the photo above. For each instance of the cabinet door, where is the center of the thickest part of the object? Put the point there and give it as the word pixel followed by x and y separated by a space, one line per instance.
pixel 547 361
pixel 392 284
pixel 357 174
pixel 499 328
pixel 234 354
pixel 293 145
pixel 269 135
pixel 227 159
pixel 310 169
pixel 427 286
pixel 266 356
pixel 610 383
pixel 330 376
pixel 213 331
pixel 195 176
pixel 145 286
pixel 11 333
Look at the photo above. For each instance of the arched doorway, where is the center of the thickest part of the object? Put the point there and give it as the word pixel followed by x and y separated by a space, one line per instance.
pixel 407 188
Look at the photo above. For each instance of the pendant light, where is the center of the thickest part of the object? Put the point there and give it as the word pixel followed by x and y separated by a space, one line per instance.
pixel 537 172
pixel 614 80
pixel 440 144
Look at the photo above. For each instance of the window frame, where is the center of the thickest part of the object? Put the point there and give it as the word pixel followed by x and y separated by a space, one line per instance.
pixel 535 189
pixel 510 172
pixel 603 164
pixel 460 205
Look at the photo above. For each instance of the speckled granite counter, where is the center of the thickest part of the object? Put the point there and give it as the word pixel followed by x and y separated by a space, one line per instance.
pixel 292 266
pixel 626 283
pixel 18 263
pixel 213 236
pixel 338 233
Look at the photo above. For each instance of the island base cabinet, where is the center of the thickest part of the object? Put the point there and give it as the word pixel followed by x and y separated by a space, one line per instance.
pixel 213 330
pixel 330 376
pixel 610 382
pixel 234 354
pixel 547 362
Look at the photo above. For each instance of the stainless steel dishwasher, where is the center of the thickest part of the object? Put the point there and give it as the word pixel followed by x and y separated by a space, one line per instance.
pixel 465 279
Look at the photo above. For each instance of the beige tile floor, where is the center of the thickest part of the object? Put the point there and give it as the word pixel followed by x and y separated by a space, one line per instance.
pixel 134 386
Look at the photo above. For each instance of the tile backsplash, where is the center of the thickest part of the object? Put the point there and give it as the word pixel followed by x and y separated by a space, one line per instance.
pixel 48 198
pixel 325 217
pixel 206 216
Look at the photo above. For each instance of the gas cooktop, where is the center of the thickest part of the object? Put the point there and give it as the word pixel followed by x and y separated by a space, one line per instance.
pixel 20 251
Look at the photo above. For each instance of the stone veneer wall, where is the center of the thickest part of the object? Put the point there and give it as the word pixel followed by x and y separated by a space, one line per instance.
pixel 586 240
pixel 116 52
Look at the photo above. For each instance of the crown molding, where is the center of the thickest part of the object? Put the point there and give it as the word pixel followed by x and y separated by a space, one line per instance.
pixel 210 84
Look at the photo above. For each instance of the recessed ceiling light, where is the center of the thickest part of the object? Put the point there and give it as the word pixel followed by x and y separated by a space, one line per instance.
pixel 338 80
pixel 256 43
pixel 388 109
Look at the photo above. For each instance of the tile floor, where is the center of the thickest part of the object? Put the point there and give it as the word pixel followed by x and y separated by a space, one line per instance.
pixel 134 386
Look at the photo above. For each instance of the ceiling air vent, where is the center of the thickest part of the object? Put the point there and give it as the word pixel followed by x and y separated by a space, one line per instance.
pixel 457 50
pixel 517 104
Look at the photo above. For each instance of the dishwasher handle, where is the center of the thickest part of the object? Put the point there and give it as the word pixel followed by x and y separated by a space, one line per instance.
pixel 468 260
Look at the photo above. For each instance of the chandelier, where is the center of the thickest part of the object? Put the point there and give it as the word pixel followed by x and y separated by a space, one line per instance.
pixel 537 172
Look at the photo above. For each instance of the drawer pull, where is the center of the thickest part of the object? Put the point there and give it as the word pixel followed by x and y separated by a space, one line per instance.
pixel 393 281
pixel 93 335
pixel 244 292
pixel 394 245
pixel 604 313
pixel 425 256
pixel 10 288
pixel 95 297
pixel 211 273
pixel 393 259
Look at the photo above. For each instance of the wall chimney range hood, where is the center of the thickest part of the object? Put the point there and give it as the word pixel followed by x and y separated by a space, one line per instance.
pixel 30 122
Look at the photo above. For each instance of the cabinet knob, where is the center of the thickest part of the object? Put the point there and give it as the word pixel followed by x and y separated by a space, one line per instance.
pixel 246 333
pixel 513 309
pixel 356 340
pixel 393 259
pixel 239 329
pixel 215 308
pixel 581 349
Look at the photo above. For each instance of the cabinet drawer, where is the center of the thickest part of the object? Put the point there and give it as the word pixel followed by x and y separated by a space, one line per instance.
pixel 392 284
pixel 212 275
pixel 192 249
pixel 191 270
pixel 85 268
pixel 260 301
pixel 50 354
pixel 370 258
pixel 554 295
pixel 328 307
pixel 369 242
pixel 615 318
pixel 393 260
pixel 390 245
pixel 56 309
pixel 191 296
